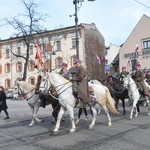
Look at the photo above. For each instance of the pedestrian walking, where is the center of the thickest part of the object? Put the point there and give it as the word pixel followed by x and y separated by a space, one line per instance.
pixel 3 105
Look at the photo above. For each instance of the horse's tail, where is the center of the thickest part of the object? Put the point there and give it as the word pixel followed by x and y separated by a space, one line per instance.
pixel 110 101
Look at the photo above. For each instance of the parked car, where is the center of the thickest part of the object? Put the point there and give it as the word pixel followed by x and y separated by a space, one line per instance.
pixel 9 94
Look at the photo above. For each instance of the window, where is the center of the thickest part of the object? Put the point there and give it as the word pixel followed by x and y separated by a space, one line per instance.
pixel 59 61
pixel 19 50
pixel 19 67
pixel 0 68
pixel 7 68
pixel 146 44
pixel 7 83
pixel 106 53
pixel 58 44
pixel 31 65
pixel 32 80
pixel 7 53
pixel 73 43
pixel 31 50
pixel 44 48
pixel 106 61
pixel 134 62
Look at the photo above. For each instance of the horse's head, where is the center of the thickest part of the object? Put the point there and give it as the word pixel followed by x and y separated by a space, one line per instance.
pixel 126 80
pixel 45 84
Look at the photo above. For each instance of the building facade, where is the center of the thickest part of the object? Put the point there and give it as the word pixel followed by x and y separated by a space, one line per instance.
pixel 57 46
pixel 137 47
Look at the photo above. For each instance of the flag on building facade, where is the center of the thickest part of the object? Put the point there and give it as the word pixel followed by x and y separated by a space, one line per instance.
pixel 38 63
pixel 129 62
pixel 136 50
pixel 98 59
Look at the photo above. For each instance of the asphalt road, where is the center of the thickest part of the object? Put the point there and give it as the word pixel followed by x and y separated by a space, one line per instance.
pixel 125 134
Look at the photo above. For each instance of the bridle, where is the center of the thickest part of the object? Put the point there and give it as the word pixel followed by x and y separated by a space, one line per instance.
pixel 130 85
pixel 60 87
pixel 23 94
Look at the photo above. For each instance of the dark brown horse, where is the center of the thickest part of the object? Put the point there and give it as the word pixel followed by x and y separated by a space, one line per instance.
pixel 118 92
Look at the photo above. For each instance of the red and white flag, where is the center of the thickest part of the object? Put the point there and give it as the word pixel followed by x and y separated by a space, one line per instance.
pixel 136 50
pixel 98 59
pixel 129 62
pixel 38 63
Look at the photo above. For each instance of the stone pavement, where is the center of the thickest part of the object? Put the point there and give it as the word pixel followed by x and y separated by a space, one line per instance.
pixel 19 110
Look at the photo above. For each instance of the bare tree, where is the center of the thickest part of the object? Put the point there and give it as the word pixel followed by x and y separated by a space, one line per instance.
pixel 26 26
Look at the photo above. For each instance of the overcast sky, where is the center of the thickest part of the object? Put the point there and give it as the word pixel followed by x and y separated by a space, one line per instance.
pixel 115 19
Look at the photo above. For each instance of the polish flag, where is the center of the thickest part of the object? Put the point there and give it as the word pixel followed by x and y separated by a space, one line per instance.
pixel 98 59
pixel 38 63
pixel 136 50
pixel 129 62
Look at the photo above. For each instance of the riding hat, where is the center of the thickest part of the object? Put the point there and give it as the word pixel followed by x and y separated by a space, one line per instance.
pixel 123 68
pixel 64 65
pixel 77 61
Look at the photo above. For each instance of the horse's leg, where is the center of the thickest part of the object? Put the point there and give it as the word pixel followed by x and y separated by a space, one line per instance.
pixel 108 116
pixel 148 104
pixel 86 115
pixel 60 114
pixel 36 108
pixel 116 102
pixel 79 115
pixel 99 110
pixel 123 106
pixel 56 108
pixel 134 108
pixel 94 112
pixel 32 120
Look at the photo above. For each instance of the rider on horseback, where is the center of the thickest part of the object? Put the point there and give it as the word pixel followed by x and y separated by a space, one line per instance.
pixel 64 71
pixel 139 78
pixel 82 85
pixel 124 72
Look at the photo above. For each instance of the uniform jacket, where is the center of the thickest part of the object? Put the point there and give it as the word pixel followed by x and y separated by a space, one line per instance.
pixel 82 84
pixel 139 77
pixel 3 105
pixel 65 73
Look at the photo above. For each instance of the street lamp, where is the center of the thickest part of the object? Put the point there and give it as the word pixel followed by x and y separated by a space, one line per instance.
pixel 76 2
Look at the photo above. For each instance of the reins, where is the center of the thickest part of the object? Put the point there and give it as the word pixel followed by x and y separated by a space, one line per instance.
pixel 129 85
pixel 22 93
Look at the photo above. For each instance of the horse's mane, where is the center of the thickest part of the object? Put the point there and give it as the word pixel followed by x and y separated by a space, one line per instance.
pixel 26 85
pixel 59 75
pixel 95 82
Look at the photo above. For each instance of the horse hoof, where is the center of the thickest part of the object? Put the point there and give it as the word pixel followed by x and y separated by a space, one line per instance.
pixel 55 133
pixel 109 124
pixel 148 114
pixel 90 127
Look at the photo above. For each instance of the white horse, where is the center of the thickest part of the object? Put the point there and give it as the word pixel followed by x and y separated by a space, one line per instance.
pixel 134 94
pixel 68 101
pixel 27 92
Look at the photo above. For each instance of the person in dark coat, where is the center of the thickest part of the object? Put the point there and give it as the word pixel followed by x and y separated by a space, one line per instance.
pixel 139 78
pixel 82 84
pixel 3 105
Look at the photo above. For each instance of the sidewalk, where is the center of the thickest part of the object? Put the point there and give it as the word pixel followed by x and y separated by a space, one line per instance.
pixel 19 110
